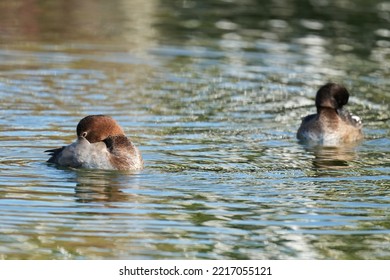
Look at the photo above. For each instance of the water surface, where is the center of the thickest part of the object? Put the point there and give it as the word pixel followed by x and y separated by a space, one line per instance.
pixel 212 94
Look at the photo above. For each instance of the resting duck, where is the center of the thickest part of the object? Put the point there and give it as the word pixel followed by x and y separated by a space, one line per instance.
pixel 101 144
pixel 332 125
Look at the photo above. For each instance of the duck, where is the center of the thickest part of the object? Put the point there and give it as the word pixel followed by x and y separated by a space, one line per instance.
pixel 332 125
pixel 101 144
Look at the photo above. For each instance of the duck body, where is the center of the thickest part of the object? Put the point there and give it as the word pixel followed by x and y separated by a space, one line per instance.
pixel 101 144
pixel 333 124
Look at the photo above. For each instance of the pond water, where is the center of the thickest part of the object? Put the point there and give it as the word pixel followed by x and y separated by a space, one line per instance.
pixel 212 93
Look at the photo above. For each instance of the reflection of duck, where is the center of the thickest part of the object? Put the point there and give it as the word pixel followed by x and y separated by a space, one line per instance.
pixel 332 124
pixel 105 186
pixel 333 157
pixel 101 144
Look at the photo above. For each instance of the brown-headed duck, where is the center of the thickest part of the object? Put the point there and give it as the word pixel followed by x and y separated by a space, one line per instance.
pixel 332 125
pixel 101 144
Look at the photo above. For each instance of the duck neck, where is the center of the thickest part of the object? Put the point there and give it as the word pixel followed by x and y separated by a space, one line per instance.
pixel 326 110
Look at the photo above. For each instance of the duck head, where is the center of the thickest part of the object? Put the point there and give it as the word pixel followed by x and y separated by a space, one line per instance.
pixel 96 128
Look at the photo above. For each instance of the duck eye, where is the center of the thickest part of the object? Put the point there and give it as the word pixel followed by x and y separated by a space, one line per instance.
pixel 84 134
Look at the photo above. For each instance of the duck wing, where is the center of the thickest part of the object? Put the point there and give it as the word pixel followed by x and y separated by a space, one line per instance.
pixel 54 153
